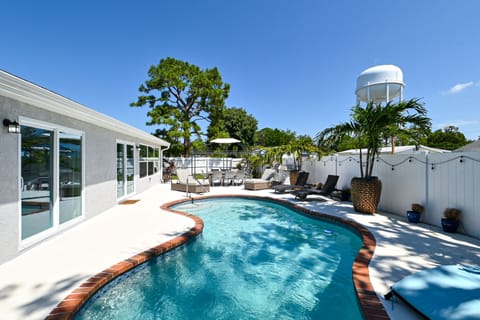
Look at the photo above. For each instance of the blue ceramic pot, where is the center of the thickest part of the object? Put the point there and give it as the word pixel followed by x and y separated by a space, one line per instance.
pixel 413 216
pixel 450 225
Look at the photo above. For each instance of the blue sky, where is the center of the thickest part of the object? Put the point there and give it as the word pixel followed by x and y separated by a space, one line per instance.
pixel 291 64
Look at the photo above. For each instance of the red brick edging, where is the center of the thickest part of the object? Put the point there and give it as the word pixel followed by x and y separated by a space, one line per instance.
pixel 67 308
pixel 368 300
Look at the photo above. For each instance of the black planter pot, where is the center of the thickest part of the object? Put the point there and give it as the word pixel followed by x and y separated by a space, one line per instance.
pixel 413 216
pixel 450 225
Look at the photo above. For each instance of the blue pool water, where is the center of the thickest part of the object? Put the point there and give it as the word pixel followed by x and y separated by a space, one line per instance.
pixel 254 260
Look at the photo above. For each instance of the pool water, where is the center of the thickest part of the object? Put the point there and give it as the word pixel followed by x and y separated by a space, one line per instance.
pixel 254 260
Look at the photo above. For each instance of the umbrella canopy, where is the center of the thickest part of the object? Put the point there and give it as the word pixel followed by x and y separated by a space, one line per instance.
pixel 225 140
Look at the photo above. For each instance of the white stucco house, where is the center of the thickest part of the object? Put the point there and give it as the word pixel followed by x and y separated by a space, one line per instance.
pixel 63 163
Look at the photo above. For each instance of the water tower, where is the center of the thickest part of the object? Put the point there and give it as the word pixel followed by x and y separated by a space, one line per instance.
pixel 380 84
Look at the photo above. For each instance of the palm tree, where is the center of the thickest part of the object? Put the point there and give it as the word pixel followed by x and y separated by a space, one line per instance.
pixel 370 125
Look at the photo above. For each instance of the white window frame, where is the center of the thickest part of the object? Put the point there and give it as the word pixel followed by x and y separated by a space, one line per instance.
pixel 125 144
pixel 56 227
pixel 149 160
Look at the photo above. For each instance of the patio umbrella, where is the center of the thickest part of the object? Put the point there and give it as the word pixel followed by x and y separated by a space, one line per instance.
pixel 224 141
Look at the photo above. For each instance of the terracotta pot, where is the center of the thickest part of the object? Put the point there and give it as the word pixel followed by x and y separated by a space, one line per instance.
pixel 365 194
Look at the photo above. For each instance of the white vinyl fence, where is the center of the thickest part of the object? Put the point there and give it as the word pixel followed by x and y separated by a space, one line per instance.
pixel 436 180
pixel 203 165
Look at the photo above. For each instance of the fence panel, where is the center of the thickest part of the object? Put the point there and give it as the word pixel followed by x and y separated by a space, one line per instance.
pixel 454 181
pixel 403 181
pixel 205 164
pixel 436 180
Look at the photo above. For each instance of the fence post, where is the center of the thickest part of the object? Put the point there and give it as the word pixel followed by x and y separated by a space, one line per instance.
pixel 426 180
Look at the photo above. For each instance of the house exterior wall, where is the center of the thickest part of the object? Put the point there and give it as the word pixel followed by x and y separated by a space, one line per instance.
pixel 99 158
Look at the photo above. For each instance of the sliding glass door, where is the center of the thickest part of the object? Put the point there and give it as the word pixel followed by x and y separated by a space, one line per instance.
pixel 70 162
pixel 51 178
pixel 37 180
pixel 130 172
pixel 125 169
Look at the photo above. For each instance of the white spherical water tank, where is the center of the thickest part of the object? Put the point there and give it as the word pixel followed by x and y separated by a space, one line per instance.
pixel 380 84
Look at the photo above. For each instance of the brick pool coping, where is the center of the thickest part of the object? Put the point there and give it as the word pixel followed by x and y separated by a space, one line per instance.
pixel 370 304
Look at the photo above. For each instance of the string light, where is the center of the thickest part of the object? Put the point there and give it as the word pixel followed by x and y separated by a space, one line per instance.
pixel 410 159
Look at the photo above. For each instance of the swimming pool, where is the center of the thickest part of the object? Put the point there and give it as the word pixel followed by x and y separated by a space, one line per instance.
pixel 255 259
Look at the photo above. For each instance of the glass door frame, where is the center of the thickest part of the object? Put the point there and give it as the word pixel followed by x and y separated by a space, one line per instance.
pixel 125 144
pixel 55 188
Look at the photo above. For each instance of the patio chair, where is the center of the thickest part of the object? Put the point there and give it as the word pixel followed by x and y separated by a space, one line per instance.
pixel 325 190
pixel 229 177
pixel 216 178
pixel 238 178
pixel 262 183
pixel 300 184
pixel 189 183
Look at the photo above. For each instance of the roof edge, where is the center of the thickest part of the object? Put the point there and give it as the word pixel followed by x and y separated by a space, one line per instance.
pixel 25 91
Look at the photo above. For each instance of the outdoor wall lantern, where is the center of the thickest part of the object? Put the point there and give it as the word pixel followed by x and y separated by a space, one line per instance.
pixel 13 126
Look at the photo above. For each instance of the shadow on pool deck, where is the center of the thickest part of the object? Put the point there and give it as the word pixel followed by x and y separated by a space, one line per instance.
pixel 33 283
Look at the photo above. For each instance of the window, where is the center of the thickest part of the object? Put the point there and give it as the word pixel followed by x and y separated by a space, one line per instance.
pixel 149 160
pixel 143 160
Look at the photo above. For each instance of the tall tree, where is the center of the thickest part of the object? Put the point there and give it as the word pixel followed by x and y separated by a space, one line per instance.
pixel 268 137
pixel 450 138
pixel 176 146
pixel 238 124
pixel 184 95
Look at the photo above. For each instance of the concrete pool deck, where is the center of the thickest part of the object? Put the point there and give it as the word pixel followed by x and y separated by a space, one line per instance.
pixel 32 284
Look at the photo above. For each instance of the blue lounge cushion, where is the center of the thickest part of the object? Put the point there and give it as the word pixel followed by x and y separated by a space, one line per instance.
pixel 444 292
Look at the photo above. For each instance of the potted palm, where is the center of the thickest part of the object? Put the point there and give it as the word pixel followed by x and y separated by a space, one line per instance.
pixel 414 214
pixel 369 126
pixel 296 148
pixel 451 220
pixel 299 147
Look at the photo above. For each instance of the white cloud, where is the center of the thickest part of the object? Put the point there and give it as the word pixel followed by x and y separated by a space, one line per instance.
pixel 459 87
pixel 458 124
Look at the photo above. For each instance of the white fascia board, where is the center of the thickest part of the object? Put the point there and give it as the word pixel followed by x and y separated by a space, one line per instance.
pixel 24 91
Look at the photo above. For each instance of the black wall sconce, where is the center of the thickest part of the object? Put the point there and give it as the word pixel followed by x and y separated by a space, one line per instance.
pixel 12 126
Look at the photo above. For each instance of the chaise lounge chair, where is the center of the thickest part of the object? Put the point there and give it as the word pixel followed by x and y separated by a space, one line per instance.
pixel 188 183
pixel 260 184
pixel 326 190
pixel 444 292
pixel 300 184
